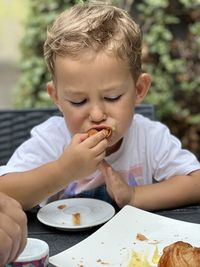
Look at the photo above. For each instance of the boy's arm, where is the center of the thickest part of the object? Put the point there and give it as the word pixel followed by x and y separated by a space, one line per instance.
pixel 31 187
pixel 80 159
pixel 174 192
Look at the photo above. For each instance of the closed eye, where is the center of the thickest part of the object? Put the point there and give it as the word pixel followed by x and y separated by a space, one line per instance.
pixel 80 103
pixel 113 99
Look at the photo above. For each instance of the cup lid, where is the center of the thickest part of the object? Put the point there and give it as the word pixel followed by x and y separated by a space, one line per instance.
pixel 35 249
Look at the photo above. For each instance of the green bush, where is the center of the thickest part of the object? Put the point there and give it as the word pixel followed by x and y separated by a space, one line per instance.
pixel 31 89
pixel 171 32
pixel 170 54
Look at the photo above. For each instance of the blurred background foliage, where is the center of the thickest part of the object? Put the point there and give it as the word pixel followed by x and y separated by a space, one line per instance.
pixel 171 54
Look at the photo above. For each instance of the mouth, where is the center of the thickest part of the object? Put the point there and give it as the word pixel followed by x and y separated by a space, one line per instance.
pixel 107 131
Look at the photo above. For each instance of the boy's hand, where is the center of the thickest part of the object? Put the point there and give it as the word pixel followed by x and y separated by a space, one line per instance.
pixel 83 155
pixel 117 188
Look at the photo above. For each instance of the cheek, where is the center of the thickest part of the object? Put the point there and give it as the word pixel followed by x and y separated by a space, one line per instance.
pixel 73 120
pixel 123 122
pixel 125 112
pixel 125 118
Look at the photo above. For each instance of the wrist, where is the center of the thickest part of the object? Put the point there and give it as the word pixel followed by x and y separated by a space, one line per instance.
pixel 66 168
pixel 132 201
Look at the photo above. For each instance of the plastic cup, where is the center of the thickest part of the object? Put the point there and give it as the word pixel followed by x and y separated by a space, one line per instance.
pixel 35 254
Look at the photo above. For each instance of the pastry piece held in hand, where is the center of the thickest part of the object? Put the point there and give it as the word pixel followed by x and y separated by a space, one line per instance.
pixel 180 254
pixel 76 218
pixel 107 131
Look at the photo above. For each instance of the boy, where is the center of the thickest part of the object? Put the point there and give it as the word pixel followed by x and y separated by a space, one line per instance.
pixel 93 52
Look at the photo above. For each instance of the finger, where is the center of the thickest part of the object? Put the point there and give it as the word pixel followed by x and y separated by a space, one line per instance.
pixel 5 247
pixel 10 238
pixel 16 239
pixel 17 215
pixel 23 235
pixel 107 172
pixel 78 138
pixel 98 158
pixel 99 148
pixel 18 230
pixel 103 167
pixel 93 140
pixel 7 203
pixel 108 177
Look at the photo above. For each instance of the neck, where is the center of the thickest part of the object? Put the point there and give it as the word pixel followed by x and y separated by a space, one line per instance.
pixel 114 148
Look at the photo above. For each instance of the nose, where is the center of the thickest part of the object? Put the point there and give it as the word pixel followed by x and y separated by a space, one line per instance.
pixel 97 114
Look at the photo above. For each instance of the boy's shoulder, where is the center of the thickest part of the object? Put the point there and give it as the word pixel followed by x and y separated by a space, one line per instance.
pixel 53 126
pixel 149 130
pixel 143 122
pixel 53 123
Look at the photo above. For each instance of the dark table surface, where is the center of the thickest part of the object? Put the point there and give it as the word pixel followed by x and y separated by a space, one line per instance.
pixel 59 240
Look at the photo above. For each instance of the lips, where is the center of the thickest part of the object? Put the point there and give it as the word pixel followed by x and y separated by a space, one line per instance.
pixel 107 131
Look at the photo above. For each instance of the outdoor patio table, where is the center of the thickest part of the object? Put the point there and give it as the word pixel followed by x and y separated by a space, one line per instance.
pixel 59 240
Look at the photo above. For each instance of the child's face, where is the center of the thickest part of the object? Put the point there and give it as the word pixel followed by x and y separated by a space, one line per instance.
pixel 96 90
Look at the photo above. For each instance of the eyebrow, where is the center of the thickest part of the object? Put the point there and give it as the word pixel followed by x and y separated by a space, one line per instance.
pixel 113 88
pixel 71 92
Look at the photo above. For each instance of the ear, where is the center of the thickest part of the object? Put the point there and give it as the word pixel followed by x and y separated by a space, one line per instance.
pixel 142 87
pixel 53 94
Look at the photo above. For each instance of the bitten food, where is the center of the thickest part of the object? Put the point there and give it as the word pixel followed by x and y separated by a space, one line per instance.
pixel 180 254
pixel 106 130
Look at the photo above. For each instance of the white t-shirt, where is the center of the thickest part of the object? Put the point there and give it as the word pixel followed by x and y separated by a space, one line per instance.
pixel 148 152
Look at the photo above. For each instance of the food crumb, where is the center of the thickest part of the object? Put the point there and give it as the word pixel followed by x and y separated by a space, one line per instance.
pixel 141 237
pixel 61 207
pixel 102 262
pixel 76 218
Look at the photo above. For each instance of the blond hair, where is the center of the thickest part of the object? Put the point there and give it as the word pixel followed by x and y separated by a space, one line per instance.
pixel 97 26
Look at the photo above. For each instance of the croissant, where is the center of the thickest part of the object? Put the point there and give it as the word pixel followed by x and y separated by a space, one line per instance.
pixel 180 254
pixel 107 131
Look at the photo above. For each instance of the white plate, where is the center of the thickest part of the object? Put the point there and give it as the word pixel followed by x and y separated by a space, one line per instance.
pixel 114 243
pixel 93 212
